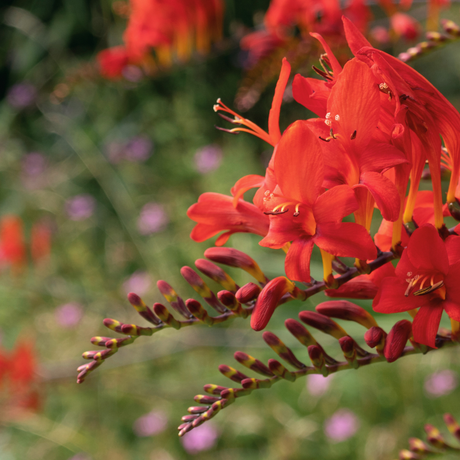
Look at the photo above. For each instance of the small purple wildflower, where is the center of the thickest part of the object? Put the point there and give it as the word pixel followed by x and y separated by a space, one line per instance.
pixel 80 207
pixel 138 149
pixel 441 383
pixel 208 159
pixel 199 439
pixel 317 384
pixel 341 426
pixel 21 95
pixel 69 314
pixel 152 219
pixel 150 424
pixel 139 282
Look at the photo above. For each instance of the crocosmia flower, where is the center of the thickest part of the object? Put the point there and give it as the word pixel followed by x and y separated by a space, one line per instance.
pixel 426 279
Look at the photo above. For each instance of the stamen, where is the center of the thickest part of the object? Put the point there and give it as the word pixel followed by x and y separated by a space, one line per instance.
pixel 412 283
pixel 276 213
pixel 296 213
pixel 337 118
pixel 429 289
pixel 353 135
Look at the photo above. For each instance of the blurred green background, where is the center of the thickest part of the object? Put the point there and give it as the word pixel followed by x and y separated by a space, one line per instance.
pixel 111 169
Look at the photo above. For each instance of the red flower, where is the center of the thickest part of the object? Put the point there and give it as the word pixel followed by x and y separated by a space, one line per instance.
pixel 12 244
pixel 426 278
pixel 429 114
pixel 215 212
pixel 301 214
pixel 112 61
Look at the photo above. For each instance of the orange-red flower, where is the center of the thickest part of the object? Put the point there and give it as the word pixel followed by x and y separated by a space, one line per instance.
pixel 301 214
pixel 215 213
pixel 426 279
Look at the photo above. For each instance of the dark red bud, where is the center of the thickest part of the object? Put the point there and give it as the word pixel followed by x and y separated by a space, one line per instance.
pixel 397 339
pixel 247 293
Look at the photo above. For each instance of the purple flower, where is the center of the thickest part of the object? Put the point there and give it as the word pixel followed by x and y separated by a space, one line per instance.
pixel 139 282
pixel 441 383
pixel 208 158
pixel 69 314
pixel 138 149
pixel 341 426
pixel 317 384
pixel 21 95
pixel 152 219
pixel 80 207
pixel 152 423
pixel 202 438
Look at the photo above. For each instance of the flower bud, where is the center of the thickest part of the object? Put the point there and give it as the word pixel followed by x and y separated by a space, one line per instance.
pixel 216 274
pixel 349 311
pixel 247 293
pixel 397 339
pixel 268 300
pixel 234 258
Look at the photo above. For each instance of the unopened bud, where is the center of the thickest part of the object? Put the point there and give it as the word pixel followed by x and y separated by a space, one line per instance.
pixel 452 425
pixel 173 298
pixel 278 369
pixel 216 273
pixel 232 373
pixel 268 300
pixel 247 293
pixel 142 309
pixel 201 288
pixel 397 339
pixel 346 310
pixel 197 310
pixel 375 338
pixel 234 258
pixel 252 363
pixel 162 312
pixel 278 346
pixel 322 323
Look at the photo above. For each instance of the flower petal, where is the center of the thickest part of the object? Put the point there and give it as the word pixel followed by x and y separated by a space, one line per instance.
pixel 427 251
pixel 384 192
pixel 345 240
pixel 311 93
pixel 391 298
pixel 297 263
pixel 244 184
pixel 335 204
pixel 426 323
pixel 274 115
pixel 299 165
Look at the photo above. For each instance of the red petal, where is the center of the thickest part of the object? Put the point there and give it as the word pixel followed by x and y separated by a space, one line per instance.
pixel 297 263
pixel 452 309
pixel 391 298
pixel 355 38
pixel 345 240
pixel 355 98
pixel 336 67
pixel 215 212
pixel 379 156
pixel 311 93
pixel 384 192
pixel 298 164
pixel 245 184
pixel 427 251
pixel 426 323
pixel 274 116
pixel 453 249
pixel 452 284
pixel 335 204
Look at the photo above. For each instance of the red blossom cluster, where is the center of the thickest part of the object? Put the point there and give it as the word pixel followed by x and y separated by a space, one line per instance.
pixel 170 28
pixel 18 389
pixel 324 17
pixel 378 124
pixel 13 246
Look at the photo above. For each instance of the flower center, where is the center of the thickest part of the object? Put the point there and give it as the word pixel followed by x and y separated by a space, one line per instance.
pixel 421 281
